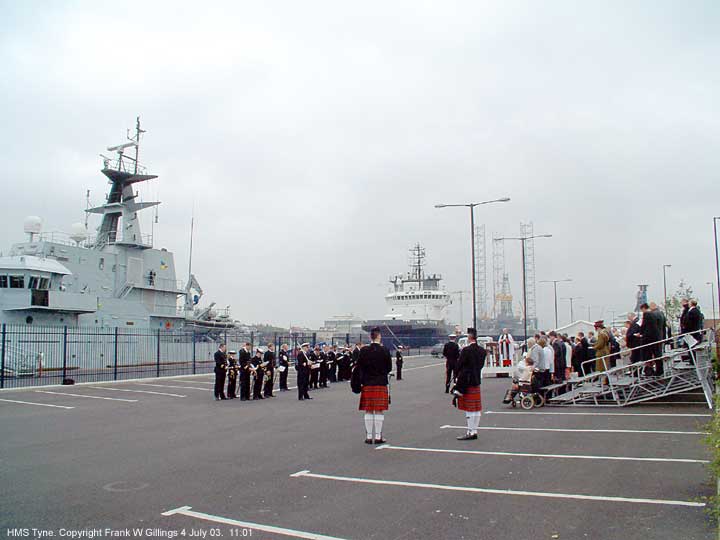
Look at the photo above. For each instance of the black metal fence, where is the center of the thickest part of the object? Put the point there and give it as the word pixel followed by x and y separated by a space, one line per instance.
pixel 39 356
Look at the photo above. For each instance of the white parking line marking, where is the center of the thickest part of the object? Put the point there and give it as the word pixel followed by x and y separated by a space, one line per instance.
pixel 168 386
pixel 308 474
pixel 522 454
pixel 646 431
pixel 135 391
pixel 196 382
pixel 40 404
pixel 86 396
pixel 423 367
pixel 187 511
pixel 594 413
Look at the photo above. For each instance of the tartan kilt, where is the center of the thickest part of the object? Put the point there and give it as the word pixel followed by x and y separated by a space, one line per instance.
pixel 374 398
pixel 470 401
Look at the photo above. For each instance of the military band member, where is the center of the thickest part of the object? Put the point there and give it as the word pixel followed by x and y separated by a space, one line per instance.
pixel 323 370
pixel 232 372
pixel 283 362
pixel 269 361
pixel 375 364
pixel 399 363
pixel 244 359
pixel 313 356
pixel 332 363
pixel 343 361
pixel 451 352
pixel 258 374
pixel 220 371
pixel 302 365
pixel 467 384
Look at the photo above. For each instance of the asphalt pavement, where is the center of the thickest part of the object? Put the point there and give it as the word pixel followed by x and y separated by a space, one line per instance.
pixel 160 458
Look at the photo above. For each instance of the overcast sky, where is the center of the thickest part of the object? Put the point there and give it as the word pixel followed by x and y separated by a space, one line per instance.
pixel 313 139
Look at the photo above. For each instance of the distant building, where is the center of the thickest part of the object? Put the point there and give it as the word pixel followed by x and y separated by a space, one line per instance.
pixel 339 326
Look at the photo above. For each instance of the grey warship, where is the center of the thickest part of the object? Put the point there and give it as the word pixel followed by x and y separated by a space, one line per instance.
pixel 116 278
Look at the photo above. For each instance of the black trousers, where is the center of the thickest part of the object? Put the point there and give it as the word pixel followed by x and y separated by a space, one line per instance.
pixel 332 372
pixel 283 379
pixel 232 385
pixel 268 387
pixel 654 368
pixel 219 383
pixel 303 380
pixel 257 386
pixel 244 385
pixel 449 372
pixel 323 376
pixel 314 377
pixel 398 368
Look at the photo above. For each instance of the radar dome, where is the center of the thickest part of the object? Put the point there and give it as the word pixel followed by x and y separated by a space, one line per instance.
pixel 32 225
pixel 78 232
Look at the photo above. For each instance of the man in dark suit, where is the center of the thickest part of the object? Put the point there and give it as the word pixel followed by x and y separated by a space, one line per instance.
pixel 302 366
pixel 467 385
pixel 694 320
pixel 244 359
pixel 269 361
pixel 451 352
pixel 651 330
pixel 220 370
pixel 634 338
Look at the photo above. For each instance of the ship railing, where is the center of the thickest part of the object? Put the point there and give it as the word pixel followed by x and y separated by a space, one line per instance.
pixel 124 164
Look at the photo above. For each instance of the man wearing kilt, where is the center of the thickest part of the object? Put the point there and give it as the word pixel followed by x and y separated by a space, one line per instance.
pixel 375 363
pixel 467 384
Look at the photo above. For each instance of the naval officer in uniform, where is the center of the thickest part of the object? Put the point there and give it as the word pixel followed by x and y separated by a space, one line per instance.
pixel 220 370
pixel 302 366
pixel 283 366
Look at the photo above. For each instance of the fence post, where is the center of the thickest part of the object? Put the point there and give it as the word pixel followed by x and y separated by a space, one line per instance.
pixel 64 371
pixel 252 341
pixel 194 357
pixel 116 355
pixel 2 357
pixel 158 354
pixel 314 338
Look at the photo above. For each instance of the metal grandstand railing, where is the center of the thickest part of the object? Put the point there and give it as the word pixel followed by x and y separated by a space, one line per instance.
pixel 686 367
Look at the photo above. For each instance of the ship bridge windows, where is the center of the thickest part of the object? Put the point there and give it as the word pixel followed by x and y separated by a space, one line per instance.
pixel 38 283
pixel 17 282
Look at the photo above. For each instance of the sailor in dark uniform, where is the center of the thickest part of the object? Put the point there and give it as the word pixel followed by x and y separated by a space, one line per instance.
pixel 399 363
pixel 244 362
pixel 467 384
pixel 220 370
pixel 323 371
pixel 375 363
pixel 232 372
pixel 269 361
pixel 343 362
pixel 314 358
pixel 259 374
pixel 451 352
pixel 283 366
pixel 332 363
pixel 302 365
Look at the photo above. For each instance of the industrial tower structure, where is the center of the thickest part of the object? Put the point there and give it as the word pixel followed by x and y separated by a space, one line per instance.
pixel 526 231
pixel 481 273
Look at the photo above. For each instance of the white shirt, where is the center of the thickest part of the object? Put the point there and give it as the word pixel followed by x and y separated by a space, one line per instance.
pixel 568 355
pixel 537 356
pixel 549 358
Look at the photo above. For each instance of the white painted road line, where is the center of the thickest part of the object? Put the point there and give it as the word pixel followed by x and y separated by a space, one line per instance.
pixel 135 391
pixel 667 502
pixel 423 367
pixel 522 454
pixel 32 403
pixel 595 413
pixel 168 386
pixel 645 431
pixel 187 511
pixel 197 382
pixel 86 396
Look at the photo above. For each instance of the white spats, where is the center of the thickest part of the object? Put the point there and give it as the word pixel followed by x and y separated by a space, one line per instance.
pixel 473 421
pixel 369 423
pixel 379 419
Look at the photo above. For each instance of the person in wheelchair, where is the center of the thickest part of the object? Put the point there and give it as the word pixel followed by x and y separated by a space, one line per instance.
pixel 523 380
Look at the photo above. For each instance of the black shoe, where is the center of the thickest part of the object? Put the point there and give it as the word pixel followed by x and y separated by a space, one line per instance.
pixel 223 397
pixel 301 398
pixel 368 441
pixel 447 390
pixel 217 399
pixel 467 437
pixel 380 441
pixel 308 397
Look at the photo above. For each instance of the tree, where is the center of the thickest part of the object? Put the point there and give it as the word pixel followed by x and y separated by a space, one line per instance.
pixel 673 308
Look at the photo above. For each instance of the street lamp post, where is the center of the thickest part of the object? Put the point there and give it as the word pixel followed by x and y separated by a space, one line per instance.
pixel 712 295
pixel 524 239
pixel 665 266
pixel 555 282
pixel 717 275
pixel 572 313
pixel 472 206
